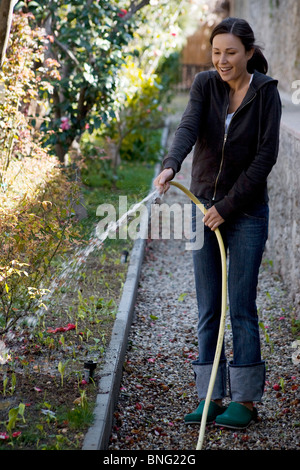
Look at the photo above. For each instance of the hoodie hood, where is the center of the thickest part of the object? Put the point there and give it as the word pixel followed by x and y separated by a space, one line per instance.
pixel 260 79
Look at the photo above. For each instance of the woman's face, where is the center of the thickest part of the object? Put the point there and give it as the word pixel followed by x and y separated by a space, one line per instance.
pixel 229 57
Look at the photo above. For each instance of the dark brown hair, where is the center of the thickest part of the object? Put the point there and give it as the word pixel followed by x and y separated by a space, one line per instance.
pixel 240 28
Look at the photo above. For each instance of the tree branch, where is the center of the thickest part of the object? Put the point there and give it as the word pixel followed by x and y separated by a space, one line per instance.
pixel 67 51
pixel 6 15
pixel 134 7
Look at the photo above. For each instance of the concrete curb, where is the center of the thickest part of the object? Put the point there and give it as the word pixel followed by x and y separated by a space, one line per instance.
pixel 97 437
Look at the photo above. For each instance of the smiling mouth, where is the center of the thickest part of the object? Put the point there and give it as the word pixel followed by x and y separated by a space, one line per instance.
pixel 225 69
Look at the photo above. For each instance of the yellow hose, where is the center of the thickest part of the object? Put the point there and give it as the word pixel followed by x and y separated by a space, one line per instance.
pixel 222 319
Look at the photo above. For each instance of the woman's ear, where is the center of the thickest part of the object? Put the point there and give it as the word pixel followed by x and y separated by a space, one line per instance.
pixel 250 53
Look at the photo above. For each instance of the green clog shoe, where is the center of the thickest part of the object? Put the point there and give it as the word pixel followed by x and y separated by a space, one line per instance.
pixel 213 411
pixel 236 416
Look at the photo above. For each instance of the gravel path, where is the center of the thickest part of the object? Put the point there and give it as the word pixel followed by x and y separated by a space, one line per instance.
pixel 158 386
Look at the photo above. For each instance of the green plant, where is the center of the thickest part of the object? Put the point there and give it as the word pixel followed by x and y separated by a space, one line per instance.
pixel 281 382
pixel 89 40
pixel 13 417
pixel 81 415
pixel 62 442
pixel 295 327
pixel 266 335
pixel 138 111
pixel 93 84
pixel 62 369
pixel 5 382
pixel 12 386
pixel 94 309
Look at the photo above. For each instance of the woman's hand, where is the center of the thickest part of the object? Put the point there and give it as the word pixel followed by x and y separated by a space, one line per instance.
pixel 212 219
pixel 161 181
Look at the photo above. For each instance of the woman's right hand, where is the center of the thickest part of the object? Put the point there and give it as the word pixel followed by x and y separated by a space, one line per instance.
pixel 161 182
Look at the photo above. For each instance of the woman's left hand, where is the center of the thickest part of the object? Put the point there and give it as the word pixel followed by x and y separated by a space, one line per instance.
pixel 212 219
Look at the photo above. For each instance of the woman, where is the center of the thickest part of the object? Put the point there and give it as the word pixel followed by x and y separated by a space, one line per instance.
pixel 233 118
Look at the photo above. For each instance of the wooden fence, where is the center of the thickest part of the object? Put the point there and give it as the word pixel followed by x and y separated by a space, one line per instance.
pixel 196 55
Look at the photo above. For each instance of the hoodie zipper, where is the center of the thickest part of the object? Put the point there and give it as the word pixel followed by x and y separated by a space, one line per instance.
pixel 224 142
pixel 222 160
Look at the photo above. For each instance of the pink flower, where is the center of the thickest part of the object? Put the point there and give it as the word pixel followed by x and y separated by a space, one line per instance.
pixel 122 13
pixel 56 330
pixel 65 124
pixel 4 435
pixel 276 387
pixel 52 63
pixel 62 329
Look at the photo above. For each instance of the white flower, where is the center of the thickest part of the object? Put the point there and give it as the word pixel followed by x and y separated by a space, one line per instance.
pixel 296 354
pixel 4 356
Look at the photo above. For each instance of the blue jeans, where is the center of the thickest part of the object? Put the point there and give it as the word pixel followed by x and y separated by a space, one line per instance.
pixel 244 235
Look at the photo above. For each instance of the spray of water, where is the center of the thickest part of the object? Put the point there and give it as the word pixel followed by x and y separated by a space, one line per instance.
pixel 71 267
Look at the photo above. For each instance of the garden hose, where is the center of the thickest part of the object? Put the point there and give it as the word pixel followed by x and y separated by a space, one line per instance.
pixel 222 319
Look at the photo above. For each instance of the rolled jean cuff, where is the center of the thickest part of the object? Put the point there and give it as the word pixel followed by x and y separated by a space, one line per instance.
pixel 202 377
pixel 246 382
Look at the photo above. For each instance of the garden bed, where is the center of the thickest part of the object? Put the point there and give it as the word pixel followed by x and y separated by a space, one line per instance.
pixel 46 399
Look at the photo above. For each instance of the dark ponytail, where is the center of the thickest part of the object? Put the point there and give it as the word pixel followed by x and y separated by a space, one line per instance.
pixel 240 28
pixel 257 62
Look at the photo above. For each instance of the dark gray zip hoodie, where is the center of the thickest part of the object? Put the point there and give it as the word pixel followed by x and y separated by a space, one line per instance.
pixel 230 168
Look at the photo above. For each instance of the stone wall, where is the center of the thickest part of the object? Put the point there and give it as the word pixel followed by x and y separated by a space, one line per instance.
pixel 283 246
pixel 276 24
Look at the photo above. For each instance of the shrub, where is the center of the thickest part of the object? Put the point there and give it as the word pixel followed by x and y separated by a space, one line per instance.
pixel 32 233
pixel 23 79
pixel 34 216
